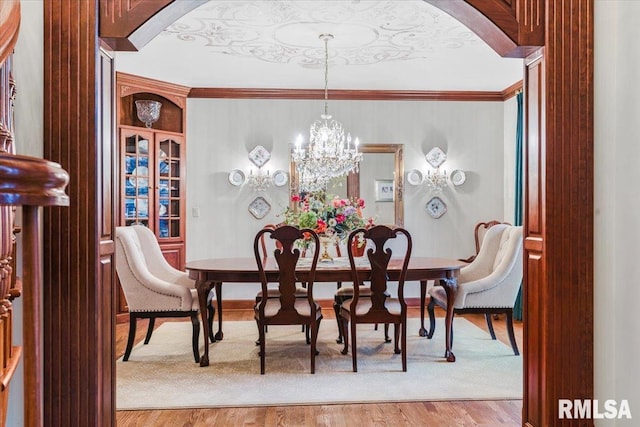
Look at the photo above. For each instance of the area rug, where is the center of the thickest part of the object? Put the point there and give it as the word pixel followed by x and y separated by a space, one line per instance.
pixel 162 374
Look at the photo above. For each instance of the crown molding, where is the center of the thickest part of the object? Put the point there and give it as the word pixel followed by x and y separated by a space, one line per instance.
pixel 358 95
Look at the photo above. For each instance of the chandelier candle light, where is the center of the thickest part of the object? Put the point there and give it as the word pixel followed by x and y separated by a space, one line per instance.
pixel 329 153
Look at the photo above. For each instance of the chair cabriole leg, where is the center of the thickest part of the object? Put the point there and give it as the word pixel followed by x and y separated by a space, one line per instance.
pixel 132 335
pixel 487 317
pixel 432 318
pixel 152 323
pixel 512 337
pixel 195 336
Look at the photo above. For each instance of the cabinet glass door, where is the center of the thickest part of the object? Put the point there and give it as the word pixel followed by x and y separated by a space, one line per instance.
pixel 137 176
pixel 169 203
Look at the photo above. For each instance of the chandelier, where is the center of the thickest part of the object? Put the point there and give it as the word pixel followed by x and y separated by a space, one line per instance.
pixel 329 153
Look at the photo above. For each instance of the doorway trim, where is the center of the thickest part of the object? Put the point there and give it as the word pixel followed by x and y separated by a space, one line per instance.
pixel 78 242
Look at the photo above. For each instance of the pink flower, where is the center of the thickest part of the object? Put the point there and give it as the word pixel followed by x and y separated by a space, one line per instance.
pixel 340 218
pixel 336 202
pixel 361 203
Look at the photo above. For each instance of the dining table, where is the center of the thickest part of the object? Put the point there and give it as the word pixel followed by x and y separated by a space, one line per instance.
pixel 212 273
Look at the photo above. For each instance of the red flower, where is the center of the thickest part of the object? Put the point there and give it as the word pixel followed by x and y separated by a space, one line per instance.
pixel 361 203
pixel 340 218
pixel 321 227
pixel 295 198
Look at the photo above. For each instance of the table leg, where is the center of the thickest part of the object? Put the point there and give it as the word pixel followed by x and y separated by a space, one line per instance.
pixel 423 294
pixel 450 286
pixel 203 291
pixel 219 334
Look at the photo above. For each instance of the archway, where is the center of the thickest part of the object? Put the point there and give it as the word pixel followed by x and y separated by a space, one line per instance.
pixel 559 248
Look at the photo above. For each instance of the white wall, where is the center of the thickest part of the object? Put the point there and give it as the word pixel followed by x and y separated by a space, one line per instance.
pixel 221 132
pixel 617 204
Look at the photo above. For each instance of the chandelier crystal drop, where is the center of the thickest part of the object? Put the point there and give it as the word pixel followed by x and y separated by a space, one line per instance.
pixel 330 153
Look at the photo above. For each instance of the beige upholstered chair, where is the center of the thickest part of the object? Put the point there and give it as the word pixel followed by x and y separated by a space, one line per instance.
pixel 151 286
pixel 490 284
pixel 479 231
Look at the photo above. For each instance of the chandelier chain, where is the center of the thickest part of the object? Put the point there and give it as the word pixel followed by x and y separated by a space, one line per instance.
pixel 330 152
pixel 326 75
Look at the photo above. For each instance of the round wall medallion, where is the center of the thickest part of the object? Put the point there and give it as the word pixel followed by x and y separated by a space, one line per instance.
pixel 415 177
pixel 236 177
pixel 458 177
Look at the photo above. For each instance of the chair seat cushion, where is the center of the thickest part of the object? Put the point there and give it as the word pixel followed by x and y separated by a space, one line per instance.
pixel 364 305
pixel 275 293
pixel 272 307
pixel 348 291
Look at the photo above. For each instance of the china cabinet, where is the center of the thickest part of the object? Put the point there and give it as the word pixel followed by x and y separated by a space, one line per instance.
pixel 152 163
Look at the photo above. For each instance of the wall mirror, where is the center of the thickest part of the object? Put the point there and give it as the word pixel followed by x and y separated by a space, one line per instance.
pixel 379 181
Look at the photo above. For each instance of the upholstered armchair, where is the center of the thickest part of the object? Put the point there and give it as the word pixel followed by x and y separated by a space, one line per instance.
pixel 151 286
pixel 490 284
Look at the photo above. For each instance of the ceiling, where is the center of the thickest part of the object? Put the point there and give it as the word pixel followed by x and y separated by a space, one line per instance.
pixel 377 45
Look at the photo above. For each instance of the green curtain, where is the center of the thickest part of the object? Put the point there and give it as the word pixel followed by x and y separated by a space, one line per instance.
pixel 517 219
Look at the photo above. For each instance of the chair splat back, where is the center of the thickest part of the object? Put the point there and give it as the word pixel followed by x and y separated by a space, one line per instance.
pixel 286 255
pixel 377 306
pixel 379 258
pixel 285 308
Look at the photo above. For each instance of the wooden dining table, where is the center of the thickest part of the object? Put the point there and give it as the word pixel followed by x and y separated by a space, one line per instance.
pixel 210 273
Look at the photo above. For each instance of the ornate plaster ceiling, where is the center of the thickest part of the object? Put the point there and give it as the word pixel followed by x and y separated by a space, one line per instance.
pixel 403 45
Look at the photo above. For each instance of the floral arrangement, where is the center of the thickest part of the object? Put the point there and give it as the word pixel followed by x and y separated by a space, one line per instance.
pixel 327 216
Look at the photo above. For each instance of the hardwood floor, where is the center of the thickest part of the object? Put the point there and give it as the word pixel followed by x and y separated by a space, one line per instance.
pixel 432 414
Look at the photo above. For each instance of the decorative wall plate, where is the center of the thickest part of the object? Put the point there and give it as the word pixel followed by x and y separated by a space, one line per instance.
pixel 415 177
pixel 436 157
pixel 236 177
pixel 458 177
pixel 140 178
pixel 259 208
pixel 280 178
pixel 143 146
pixel 436 207
pixel 259 155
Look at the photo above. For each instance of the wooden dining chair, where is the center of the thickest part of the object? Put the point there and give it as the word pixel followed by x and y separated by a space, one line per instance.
pixel 286 308
pixel 346 293
pixel 377 307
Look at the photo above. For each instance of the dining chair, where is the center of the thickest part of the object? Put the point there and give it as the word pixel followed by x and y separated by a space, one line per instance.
pixel 287 308
pixel 273 292
pixel 377 306
pixel 479 231
pixel 152 287
pixel 346 293
pixel 490 284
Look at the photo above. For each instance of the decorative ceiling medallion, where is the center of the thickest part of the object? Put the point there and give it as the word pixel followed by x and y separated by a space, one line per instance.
pixel 287 31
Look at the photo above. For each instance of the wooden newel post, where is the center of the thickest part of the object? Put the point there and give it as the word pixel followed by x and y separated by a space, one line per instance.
pixel 32 183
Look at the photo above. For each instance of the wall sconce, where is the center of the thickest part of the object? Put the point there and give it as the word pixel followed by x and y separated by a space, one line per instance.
pixel 260 181
pixel 148 111
pixel 436 179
